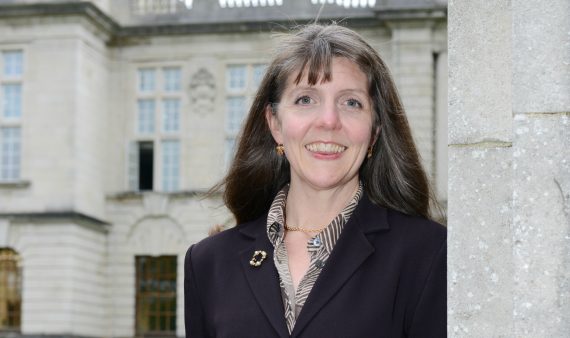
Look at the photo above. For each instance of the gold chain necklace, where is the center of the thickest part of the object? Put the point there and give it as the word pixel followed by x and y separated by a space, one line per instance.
pixel 292 228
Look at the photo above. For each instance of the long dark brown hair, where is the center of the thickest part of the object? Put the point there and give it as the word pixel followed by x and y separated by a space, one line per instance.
pixel 392 177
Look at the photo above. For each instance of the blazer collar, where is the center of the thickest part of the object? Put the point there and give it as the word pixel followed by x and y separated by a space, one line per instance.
pixel 264 280
pixel 369 216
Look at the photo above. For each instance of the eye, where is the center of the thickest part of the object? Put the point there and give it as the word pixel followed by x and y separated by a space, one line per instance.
pixel 304 100
pixel 353 103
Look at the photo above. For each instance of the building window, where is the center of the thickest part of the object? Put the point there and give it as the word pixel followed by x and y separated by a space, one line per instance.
pixel 11 78
pixel 237 77
pixel 157 130
pixel 146 80
pixel 170 115
pixel 172 77
pixel 146 115
pixel 235 112
pixel 10 290
pixel 11 100
pixel 146 165
pixel 156 295
pixel 258 73
pixel 170 165
pixel 10 153
pixel 241 83
pixel 13 63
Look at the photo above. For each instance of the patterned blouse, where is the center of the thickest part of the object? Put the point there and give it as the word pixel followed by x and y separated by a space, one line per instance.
pixel 320 247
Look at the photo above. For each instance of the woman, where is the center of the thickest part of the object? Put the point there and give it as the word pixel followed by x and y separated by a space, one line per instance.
pixel 332 206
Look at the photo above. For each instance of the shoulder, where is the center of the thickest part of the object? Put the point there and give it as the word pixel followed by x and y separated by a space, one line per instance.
pixel 225 243
pixel 411 247
pixel 374 217
pixel 216 242
pixel 402 233
pixel 423 243
pixel 418 238
pixel 416 228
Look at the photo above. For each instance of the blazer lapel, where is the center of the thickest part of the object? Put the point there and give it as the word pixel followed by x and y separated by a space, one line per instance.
pixel 350 251
pixel 264 279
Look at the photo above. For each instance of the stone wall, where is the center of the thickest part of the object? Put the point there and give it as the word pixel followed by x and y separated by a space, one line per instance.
pixel 64 276
pixel 509 171
pixel 64 115
pixel 152 224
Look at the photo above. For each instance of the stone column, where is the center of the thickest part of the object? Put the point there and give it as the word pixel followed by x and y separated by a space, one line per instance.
pixel 509 168
pixel 541 166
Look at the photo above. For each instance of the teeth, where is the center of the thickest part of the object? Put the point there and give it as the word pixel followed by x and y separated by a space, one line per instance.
pixel 325 148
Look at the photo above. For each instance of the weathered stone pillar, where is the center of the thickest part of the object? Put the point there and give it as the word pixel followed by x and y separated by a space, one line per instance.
pixel 509 168
pixel 541 163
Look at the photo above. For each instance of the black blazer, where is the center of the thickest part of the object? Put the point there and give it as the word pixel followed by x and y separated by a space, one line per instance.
pixel 386 277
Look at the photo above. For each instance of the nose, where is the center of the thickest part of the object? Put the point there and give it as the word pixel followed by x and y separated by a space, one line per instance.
pixel 329 116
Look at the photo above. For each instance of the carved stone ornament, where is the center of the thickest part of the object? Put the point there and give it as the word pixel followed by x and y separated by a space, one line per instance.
pixel 202 92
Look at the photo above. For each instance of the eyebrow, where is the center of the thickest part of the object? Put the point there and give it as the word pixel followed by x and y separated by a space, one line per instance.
pixel 362 92
pixel 343 91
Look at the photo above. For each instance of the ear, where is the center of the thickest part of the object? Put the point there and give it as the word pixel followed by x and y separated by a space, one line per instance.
pixel 273 123
pixel 374 136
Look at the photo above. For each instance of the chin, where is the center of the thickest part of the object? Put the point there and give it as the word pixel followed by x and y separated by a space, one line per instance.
pixel 327 183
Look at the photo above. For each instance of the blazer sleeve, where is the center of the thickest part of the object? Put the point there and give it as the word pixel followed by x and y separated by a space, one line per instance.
pixel 193 313
pixel 430 316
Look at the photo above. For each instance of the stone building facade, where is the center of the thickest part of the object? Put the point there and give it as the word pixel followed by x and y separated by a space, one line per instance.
pixel 117 116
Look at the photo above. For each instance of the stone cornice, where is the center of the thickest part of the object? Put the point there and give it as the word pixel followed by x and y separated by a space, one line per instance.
pixel 21 184
pixel 120 35
pixel 55 216
pixel 431 13
pixel 139 195
pixel 86 9
pixel 229 27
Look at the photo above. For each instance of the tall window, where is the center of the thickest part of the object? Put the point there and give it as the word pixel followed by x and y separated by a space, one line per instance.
pixel 241 83
pixel 156 295
pixel 170 164
pixel 11 75
pixel 10 290
pixel 156 147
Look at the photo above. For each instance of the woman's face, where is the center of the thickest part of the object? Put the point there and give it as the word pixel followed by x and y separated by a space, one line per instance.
pixel 326 129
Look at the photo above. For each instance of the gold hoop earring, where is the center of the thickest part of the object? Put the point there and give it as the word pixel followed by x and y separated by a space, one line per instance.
pixel 280 149
pixel 369 155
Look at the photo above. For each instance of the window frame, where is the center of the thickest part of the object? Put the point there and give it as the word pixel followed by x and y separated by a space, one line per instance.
pixel 247 93
pixel 161 94
pixel 140 298
pixel 5 253
pixel 15 121
pixel 7 167
pixel 165 176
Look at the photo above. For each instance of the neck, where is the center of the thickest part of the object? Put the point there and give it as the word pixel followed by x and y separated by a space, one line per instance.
pixel 314 208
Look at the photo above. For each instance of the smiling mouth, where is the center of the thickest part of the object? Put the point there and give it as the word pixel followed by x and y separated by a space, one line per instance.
pixel 326 148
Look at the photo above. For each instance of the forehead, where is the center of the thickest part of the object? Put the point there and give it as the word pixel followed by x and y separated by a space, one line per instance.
pixel 342 72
